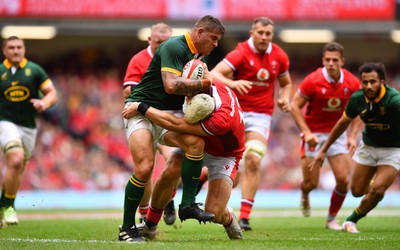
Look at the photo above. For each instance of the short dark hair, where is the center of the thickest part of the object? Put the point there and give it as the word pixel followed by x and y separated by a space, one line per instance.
pixel 377 67
pixel 11 38
pixel 263 20
pixel 210 23
pixel 333 46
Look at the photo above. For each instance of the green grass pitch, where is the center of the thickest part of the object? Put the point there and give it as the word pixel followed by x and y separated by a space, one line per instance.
pixel 272 229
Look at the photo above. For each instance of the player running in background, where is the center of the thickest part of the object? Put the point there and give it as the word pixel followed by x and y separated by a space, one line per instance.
pixel 325 92
pixel 163 87
pixel 378 155
pixel 25 91
pixel 251 70
pixel 137 66
pixel 223 133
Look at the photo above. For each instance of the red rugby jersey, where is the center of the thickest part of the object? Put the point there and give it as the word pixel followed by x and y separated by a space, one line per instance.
pixel 225 126
pixel 326 99
pixel 137 66
pixel 262 69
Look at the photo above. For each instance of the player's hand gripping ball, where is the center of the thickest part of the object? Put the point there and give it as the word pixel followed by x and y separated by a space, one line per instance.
pixel 194 70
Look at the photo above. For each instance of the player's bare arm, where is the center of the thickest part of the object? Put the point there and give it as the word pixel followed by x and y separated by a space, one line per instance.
pixel 165 120
pixel 127 91
pixel 178 85
pixel 49 99
pixel 339 128
pixel 352 133
pixel 285 83
pixel 297 105
pixel 223 73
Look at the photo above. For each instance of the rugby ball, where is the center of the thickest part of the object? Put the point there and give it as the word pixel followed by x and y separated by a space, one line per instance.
pixel 193 70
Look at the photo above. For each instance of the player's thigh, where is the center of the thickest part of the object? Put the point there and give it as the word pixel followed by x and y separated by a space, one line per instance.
pixel 141 146
pixel 309 176
pixel 140 134
pixel 385 176
pixel 340 165
pixel 254 135
pixel 257 126
pixel 188 143
pixel 361 179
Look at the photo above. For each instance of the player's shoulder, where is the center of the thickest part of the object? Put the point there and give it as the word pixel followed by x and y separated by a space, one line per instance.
pixel 358 96
pixel 393 93
pixel 174 41
pixel 349 75
pixel 278 54
pixel 174 45
pixel 276 49
pixel 2 66
pixel 315 76
pixel 143 54
pixel 33 66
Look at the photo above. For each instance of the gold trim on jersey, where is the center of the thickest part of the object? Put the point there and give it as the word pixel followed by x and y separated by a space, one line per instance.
pixel 377 99
pixel 190 44
pixel 22 64
pixel 171 70
pixel 45 84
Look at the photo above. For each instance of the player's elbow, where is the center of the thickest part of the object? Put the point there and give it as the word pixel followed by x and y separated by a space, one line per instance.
pixel 169 89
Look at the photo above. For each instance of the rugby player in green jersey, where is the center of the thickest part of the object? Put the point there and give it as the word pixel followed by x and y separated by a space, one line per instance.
pixel 22 83
pixel 163 87
pixel 378 155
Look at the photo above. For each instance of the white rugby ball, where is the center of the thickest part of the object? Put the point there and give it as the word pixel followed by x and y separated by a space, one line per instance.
pixel 193 69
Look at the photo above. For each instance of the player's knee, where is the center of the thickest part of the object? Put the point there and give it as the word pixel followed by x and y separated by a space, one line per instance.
pixel 309 185
pixel 357 191
pixel 255 151
pixel 342 184
pixel 15 155
pixel 170 175
pixel 377 191
pixel 174 163
pixel 144 169
pixel 252 162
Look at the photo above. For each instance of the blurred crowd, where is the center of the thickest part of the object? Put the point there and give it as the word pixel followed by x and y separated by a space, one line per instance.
pixel 81 144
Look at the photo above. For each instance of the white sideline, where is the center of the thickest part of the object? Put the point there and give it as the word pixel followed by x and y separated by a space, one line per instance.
pixel 32 240
pixel 379 212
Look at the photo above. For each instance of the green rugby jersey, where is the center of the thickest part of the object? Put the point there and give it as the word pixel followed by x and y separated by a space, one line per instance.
pixel 17 89
pixel 381 117
pixel 170 56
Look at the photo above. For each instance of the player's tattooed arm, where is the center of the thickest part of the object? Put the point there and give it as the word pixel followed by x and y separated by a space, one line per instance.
pixel 177 85
pixel 188 87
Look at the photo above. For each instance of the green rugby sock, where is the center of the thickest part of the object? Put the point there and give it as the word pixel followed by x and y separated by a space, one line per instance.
pixel 355 216
pixel 190 174
pixel 134 191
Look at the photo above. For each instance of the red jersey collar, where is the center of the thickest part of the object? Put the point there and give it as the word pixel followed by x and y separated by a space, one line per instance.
pixel 253 47
pixel 330 79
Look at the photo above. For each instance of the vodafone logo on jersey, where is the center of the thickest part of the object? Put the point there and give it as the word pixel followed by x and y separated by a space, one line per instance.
pixel 262 75
pixel 334 103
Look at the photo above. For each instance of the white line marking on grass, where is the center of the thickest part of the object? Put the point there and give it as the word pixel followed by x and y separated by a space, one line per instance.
pixel 256 213
pixel 35 240
pixel 357 239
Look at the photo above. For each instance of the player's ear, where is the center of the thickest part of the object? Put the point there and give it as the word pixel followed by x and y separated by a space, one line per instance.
pixel 200 31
